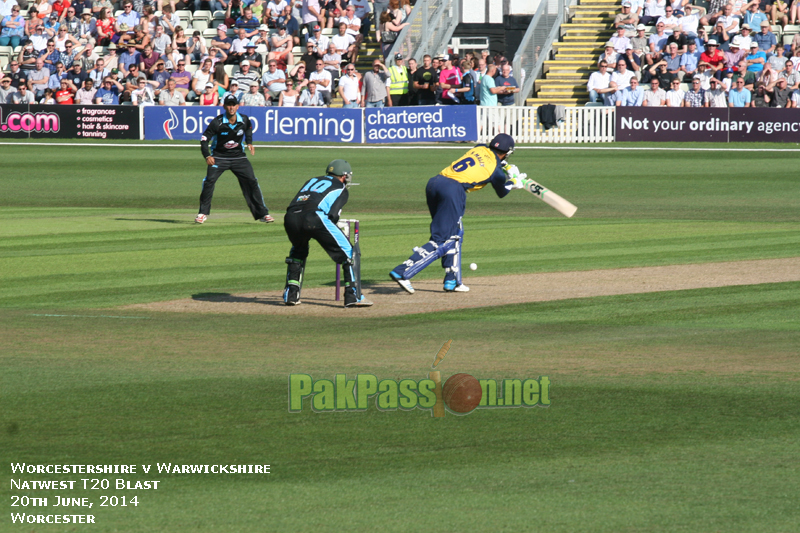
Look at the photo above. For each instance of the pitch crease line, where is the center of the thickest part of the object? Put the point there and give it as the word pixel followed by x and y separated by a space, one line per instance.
pixel 94 316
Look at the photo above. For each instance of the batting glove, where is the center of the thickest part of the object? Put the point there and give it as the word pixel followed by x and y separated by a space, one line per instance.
pixel 512 171
pixel 514 183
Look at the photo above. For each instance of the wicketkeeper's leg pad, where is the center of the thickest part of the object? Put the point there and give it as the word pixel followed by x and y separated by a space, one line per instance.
pixel 352 283
pixel 294 277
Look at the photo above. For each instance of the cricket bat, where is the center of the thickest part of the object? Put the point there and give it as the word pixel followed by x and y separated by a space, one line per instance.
pixel 549 197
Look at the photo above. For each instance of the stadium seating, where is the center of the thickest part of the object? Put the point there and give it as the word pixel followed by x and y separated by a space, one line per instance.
pixel 185 18
pixel 589 27
pixel 206 22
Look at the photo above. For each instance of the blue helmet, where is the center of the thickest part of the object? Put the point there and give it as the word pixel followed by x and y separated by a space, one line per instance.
pixel 503 142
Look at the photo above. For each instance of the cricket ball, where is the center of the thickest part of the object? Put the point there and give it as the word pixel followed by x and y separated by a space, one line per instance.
pixel 462 393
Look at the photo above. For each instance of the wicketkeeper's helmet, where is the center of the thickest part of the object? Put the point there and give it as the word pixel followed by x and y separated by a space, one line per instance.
pixel 503 142
pixel 340 167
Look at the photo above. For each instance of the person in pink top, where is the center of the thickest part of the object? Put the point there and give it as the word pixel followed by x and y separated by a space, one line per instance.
pixel 449 81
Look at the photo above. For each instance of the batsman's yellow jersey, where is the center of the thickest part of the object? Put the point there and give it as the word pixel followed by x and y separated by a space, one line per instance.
pixel 475 168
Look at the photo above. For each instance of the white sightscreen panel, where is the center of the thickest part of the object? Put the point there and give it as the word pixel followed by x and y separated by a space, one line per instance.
pixel 495 11
pixel 474 11
pixel 523 7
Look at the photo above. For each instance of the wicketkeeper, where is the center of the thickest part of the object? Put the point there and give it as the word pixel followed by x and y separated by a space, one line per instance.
pixel 228 134
pixel 314 214
pixel 446 194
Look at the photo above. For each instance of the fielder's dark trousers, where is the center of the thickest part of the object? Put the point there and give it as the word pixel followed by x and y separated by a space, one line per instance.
pixel 302 226
pixel 243 171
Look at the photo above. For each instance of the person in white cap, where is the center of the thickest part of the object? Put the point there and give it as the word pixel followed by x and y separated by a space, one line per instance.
pixel 745 37
pixel 639 42
pixel 767 42
pixel 262 37
pixel 712 57
pixel 632 61
pixel 246 76
pixel 625 19
pixel 735 53
pixel 233 89
pixel 610 54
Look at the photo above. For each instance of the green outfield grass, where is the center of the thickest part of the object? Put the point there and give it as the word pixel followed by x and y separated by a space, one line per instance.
pixel 673 411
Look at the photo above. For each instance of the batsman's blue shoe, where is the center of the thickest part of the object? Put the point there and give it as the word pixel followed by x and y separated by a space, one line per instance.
pixel 450 286
pixel 404 283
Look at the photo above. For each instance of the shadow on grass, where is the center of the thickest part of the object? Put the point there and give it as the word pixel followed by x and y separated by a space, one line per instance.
pixel 162 220
pixel 225 297
pixel 392 289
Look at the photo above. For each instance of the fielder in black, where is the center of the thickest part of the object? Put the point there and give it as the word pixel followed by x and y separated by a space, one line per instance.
pixel 313 214
pixel 228 134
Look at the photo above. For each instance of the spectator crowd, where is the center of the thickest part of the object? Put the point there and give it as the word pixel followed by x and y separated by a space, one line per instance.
pixel 142 52
pixel 739 63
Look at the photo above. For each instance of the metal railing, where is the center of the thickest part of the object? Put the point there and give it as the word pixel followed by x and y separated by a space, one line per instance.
pixel 537 44
pixel 431 25
pixel 577 125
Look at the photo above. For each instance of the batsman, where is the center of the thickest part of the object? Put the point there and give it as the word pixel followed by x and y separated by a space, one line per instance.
pixel 446 194
pixel 314 214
